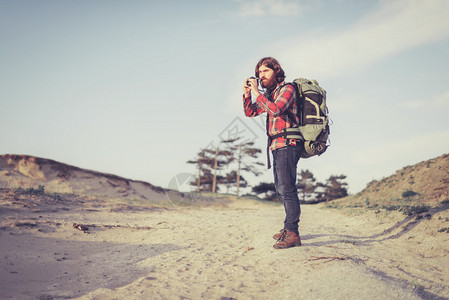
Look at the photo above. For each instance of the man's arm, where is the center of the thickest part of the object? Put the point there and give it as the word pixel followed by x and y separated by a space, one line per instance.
pixel 250 109
pixel 280 104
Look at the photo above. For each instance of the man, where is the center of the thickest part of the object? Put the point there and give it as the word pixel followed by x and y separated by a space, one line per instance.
pixel 279 103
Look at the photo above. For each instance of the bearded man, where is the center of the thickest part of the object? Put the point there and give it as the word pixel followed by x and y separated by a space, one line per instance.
pixel 278 102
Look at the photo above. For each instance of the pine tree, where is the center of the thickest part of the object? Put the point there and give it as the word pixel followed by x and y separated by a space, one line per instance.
pixel 306 184
pixel 204 165
pixel 335 188
pixel 209 162
pixel 265 188
pixel 245 154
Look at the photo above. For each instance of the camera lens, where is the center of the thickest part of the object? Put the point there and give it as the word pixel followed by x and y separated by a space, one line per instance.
pixel 247 82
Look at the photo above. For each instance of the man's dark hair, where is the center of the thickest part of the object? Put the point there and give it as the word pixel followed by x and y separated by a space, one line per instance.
pixel 273 64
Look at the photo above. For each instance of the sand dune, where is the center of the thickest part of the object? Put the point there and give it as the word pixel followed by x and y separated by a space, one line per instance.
pixel 29 171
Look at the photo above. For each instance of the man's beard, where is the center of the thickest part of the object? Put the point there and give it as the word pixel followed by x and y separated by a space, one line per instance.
pixel 268 84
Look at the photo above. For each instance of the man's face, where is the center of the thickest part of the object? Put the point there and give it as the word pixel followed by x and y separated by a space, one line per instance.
pixel 267 77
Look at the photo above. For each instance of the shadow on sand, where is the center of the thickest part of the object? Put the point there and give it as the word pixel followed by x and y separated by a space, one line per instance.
pixel 404 226
pixel 44 268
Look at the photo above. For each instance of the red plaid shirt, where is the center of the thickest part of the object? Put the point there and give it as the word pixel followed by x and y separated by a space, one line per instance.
pixel 278 118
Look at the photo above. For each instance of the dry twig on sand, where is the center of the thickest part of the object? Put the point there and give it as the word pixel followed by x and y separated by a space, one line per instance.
pixel 329 258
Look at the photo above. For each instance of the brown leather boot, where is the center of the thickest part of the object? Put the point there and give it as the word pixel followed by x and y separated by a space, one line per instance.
pixel 288 239
pixel 277 236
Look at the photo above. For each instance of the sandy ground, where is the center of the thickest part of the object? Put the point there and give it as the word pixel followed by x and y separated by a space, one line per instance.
pixel 219 252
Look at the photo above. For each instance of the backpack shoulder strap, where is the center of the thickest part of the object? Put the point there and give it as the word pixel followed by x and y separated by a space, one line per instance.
pixel 297 99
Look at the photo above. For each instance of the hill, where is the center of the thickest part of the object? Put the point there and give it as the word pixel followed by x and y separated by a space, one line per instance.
pixel 425 183
pixel 30 172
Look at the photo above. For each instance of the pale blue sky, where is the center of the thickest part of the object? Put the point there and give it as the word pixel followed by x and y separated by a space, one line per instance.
pixel 137 88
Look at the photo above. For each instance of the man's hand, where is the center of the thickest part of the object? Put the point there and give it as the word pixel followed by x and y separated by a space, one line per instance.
pixel 253 86
pixel 247 89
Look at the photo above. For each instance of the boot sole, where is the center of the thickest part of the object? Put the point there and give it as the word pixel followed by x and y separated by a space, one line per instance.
pixel 297 244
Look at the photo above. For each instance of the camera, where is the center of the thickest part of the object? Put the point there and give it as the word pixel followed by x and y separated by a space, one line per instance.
pixel 252 77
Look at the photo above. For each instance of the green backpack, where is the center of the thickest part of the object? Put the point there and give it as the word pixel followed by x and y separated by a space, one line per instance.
pixel 312 111
pixel 313 116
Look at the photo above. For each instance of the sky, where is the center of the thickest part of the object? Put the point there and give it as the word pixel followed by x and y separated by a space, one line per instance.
pixel 138 88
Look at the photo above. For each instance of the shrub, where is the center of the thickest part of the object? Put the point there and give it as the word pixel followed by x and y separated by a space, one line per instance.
pixel 415 210
pixel 391 207
pixel 32 191
pixel 409 193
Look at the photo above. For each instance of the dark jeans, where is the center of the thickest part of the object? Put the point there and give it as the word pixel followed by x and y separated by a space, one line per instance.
pixel 285 161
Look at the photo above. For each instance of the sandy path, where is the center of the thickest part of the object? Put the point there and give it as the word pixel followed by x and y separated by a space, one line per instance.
pixel 220 253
